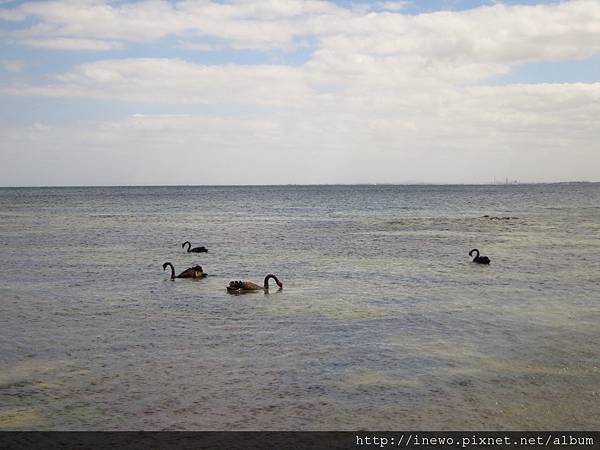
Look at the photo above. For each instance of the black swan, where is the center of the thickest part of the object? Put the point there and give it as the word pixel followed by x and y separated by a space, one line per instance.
pixel 246 286
pixel 479 259
pixel 195 249
pixel 192 272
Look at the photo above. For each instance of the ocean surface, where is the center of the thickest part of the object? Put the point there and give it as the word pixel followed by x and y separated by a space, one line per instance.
pixel 383 322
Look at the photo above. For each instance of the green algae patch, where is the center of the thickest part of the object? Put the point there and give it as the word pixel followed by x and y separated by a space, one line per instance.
pixel 366 378
pixel 532 369
pixel 25 371
pixel 20 419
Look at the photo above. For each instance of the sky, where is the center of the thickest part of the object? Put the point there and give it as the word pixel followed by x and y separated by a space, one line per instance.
pixel 153 92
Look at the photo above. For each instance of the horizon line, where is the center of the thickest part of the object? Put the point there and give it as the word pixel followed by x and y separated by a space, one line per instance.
pixel 512 183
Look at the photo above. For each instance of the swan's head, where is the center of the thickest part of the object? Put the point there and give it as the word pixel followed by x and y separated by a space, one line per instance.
pixel 165 265
pixel 268 277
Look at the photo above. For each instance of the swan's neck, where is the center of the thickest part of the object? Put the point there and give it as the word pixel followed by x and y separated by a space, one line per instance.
pixel 268 277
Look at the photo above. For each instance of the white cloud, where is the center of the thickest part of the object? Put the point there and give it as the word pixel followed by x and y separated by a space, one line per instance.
pixel 177 82
pixel 403 88
pixel 499 33
pixel 243 24
pixel 73 44
pixel 450 142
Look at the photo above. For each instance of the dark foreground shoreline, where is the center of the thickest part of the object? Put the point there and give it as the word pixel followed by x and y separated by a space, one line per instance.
pixel 268 440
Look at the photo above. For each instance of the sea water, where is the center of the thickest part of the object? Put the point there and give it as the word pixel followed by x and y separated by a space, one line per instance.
pixel 383 321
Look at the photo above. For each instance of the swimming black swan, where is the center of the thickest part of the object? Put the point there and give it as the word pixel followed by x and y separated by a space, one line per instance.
pixel 192 272
pixel 479 259
pixel 245 286
pixel 195 249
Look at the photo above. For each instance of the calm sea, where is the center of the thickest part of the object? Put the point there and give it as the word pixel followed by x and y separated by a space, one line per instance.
pixel 383 321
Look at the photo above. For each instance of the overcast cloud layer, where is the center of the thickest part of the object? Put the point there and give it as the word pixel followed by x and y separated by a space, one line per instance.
pixel 289 91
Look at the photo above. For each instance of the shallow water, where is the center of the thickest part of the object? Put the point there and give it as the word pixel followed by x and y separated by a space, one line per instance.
pixel 383 323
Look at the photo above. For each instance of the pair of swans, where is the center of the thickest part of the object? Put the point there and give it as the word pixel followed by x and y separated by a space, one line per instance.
pixel 234 286
pixel 191 272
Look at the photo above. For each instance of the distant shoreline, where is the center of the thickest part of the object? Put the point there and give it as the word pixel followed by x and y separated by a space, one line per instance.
pixel 294 184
